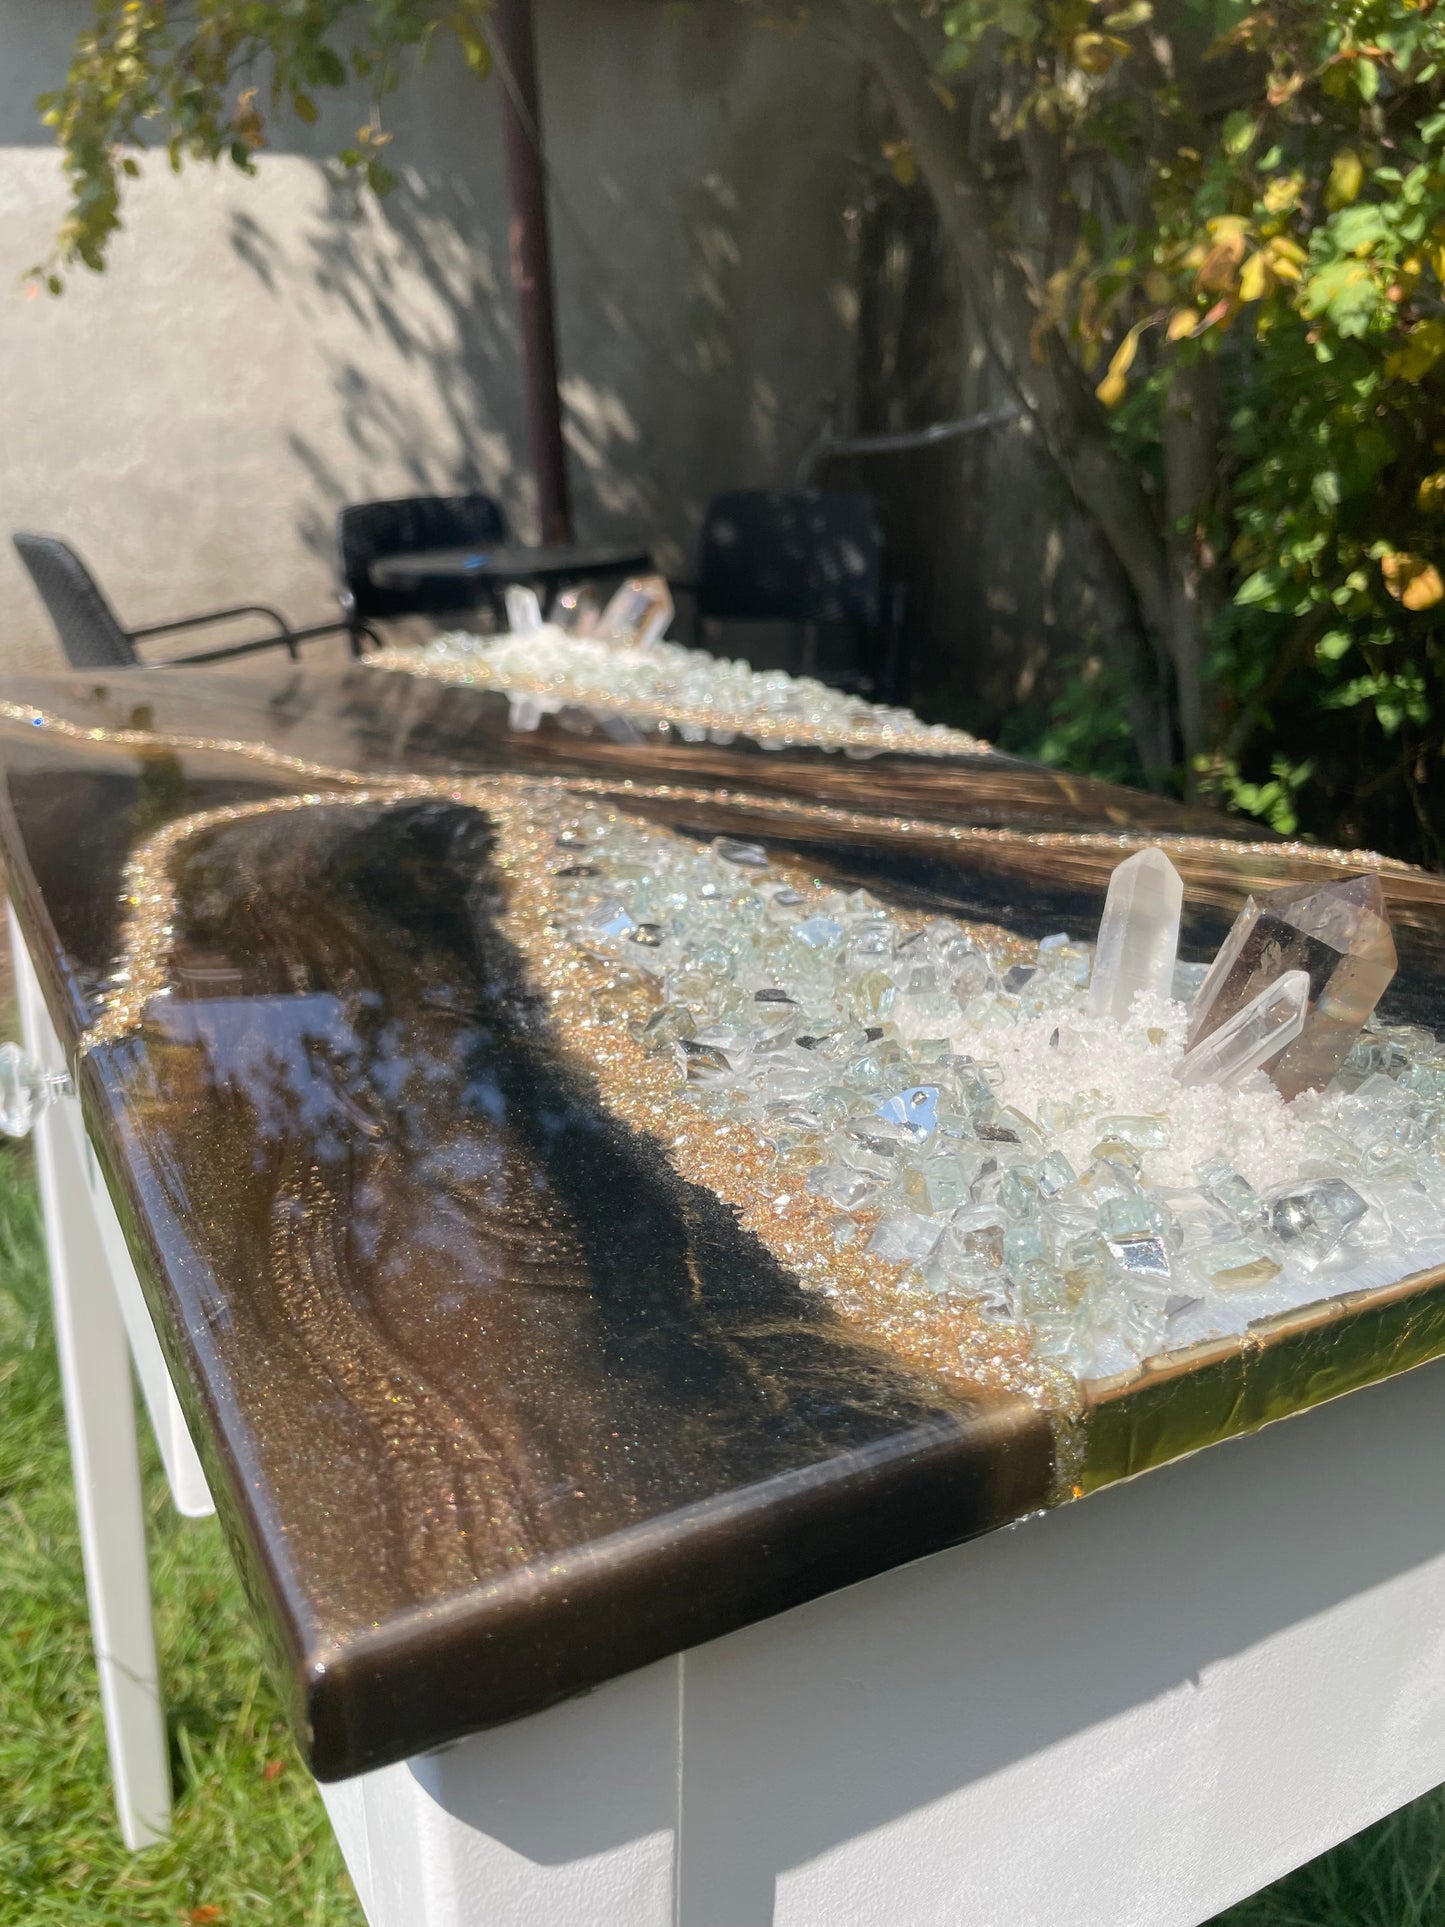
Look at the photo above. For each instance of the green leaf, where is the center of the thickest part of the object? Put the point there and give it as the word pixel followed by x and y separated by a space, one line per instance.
pixel 325 69
pixel 1259 590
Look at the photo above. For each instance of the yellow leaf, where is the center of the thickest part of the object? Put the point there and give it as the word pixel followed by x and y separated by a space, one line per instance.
pixel 1111 389
pixel 1347 177
pixel 1430 495
pixel 1182 323
pixel 1222 260
pixel 1283 193
pixel 1096 53
pixel 1425 590
pixel 1408 277
pixel 1255 278
pixel 1413 582
pixel 1282 263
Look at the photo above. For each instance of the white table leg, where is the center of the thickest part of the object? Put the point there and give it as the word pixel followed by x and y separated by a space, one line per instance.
pixel 178 1455
pixel 567 1819
pixel 101 1420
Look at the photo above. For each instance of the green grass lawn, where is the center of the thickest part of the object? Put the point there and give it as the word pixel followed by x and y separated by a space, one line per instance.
pixel 251 1843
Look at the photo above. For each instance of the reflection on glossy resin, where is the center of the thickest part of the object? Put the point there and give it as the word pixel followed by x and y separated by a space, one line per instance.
pixel 498 1400
pixel 464 1294
pixel 933 1124
pixel 600 1012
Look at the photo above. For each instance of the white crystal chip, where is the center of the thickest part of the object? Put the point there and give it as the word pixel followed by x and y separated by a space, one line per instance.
pixel 905 1237
pixel 1316 1216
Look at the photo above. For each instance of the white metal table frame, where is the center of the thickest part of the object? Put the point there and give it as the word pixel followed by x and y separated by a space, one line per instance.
pixel 1136 1710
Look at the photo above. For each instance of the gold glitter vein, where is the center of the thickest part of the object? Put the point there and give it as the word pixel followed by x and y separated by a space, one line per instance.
pixel 588 1003
pixel 624 789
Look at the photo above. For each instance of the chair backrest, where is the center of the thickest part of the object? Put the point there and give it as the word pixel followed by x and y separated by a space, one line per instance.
pixel 366 530
pixel 89 632
pixel 791 555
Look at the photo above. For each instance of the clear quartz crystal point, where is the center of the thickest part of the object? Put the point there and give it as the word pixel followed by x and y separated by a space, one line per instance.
pixel 26 1090
pixel 1265 1025
pixel 1138 934
pixel 1339 935
pixel 524 611
pixel 638 613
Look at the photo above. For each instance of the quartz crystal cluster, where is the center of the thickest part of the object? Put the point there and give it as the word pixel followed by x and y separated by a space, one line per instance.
pixel 1086 1144
pixel 630 672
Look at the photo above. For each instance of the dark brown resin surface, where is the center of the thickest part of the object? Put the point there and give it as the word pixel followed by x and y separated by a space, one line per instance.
pixel 494 1404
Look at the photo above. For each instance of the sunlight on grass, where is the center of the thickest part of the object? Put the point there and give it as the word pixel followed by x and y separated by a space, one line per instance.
pixel 251 1841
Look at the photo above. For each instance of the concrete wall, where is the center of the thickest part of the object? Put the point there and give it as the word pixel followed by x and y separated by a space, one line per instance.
pixel 260 351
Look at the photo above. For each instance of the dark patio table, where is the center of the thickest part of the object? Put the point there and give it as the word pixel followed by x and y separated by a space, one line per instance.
pixel 491 569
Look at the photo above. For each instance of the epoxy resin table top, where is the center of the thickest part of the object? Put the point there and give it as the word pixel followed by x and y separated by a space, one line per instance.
pixel 500 1388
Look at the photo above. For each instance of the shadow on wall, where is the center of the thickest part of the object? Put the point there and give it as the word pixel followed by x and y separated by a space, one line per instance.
pixel 407 278
pixel 699 335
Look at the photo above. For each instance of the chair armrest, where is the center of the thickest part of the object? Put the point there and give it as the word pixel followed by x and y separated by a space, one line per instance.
pixel 228 650
pixel 289 640
pixel 283 627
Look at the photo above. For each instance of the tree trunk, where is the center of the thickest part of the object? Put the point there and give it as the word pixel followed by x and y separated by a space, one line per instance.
pixel 1191 443
pixel 1070 421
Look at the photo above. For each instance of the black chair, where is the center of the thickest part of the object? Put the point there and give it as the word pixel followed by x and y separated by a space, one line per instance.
pixel 367 530
pixel 806 557
pixel 92 636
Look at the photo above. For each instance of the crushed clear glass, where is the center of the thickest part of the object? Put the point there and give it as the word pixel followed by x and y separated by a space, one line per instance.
pixel 970 1112
pixel 616 660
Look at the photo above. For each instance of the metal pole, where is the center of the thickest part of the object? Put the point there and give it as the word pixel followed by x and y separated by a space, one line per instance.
pixel 515 42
